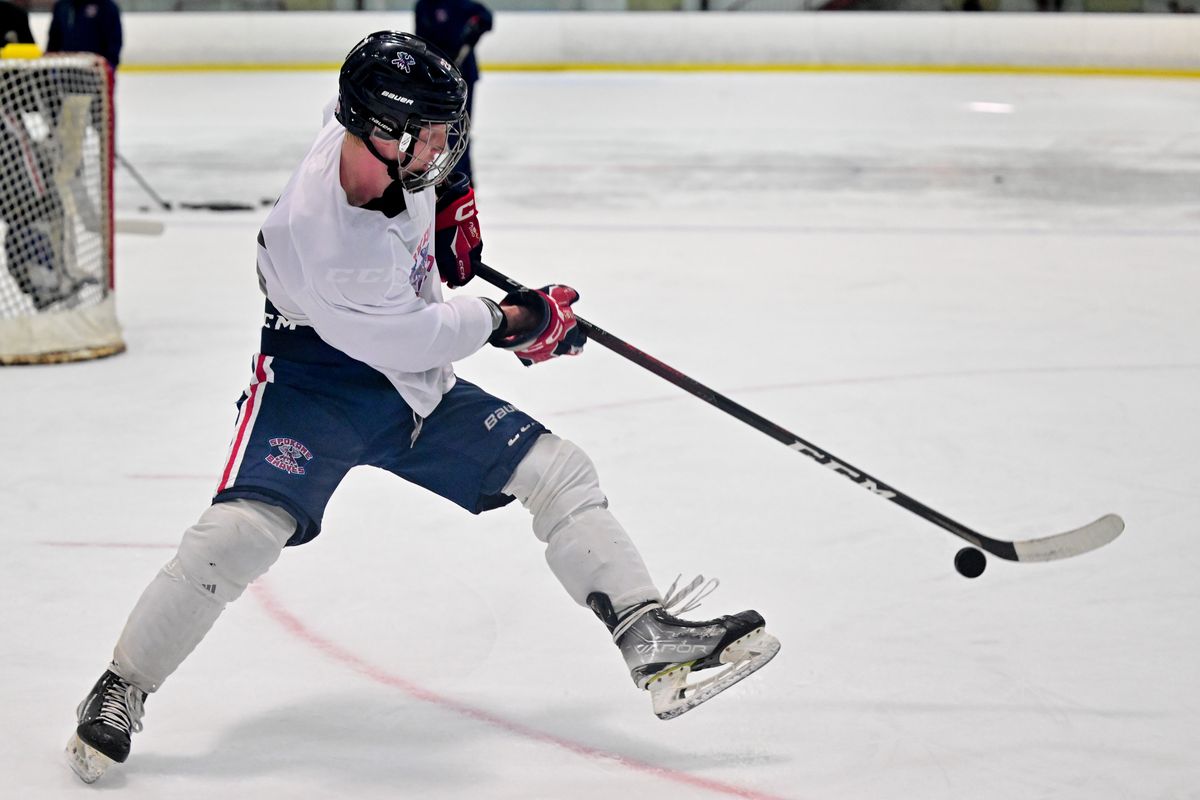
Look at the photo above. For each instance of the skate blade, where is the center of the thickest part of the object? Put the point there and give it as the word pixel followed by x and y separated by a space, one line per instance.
pixel 87 762
pixel 672 695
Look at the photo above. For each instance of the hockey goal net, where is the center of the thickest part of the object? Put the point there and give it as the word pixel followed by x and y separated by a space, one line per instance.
pixel 56 165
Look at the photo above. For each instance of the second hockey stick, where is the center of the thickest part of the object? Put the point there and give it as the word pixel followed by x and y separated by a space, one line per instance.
pixel 137 176
pixel 1046 548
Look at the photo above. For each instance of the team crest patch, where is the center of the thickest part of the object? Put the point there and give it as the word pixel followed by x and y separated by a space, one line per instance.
pixel 423 263
pixel 404 61
pixel 289 456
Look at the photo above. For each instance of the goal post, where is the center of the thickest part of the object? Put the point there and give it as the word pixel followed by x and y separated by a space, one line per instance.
pixel 57 298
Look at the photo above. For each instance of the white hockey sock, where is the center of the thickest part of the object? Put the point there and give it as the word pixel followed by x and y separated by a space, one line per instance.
pixel 591 552
pixel 228 547
pixel 166 624
pixel 587 549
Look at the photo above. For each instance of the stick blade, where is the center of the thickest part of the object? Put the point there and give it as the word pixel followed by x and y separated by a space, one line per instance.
pixel 1071 543
pixel 138 227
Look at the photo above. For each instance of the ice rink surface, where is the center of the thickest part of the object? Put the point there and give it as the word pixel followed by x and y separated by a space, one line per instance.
pixel 982 289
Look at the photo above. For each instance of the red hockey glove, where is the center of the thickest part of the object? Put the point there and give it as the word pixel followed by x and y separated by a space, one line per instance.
pixel 457 243
pixel 475 28
pixel 556 334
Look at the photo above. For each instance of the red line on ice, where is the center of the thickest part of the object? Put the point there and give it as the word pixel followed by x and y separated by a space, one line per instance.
pixel 290 622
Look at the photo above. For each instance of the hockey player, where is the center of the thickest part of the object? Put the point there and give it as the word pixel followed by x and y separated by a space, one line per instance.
pixel 455 27
pixel 86 26
pixel 355 369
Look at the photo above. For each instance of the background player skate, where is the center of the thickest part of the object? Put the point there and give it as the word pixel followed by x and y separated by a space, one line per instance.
pixel 354 369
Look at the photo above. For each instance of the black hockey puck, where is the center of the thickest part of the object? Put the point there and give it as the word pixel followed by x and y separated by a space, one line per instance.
pixel 969 562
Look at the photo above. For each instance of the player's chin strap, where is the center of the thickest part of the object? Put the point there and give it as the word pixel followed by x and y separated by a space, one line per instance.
pixel 674 602
pixel 393 166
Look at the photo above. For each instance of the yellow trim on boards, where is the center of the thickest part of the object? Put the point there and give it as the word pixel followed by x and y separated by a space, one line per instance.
pixel 938 69
pixel 15 50
pixel 231 67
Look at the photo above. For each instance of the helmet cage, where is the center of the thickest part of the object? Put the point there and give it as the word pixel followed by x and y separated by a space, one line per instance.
pixel 410 150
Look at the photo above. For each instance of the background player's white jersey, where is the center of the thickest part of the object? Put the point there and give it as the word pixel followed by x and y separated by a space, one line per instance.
pixel 367 283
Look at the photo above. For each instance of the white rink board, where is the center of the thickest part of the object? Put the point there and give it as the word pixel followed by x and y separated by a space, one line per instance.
pixel 572 38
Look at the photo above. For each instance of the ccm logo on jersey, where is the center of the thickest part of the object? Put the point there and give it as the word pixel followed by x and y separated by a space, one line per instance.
pixel 277 322
pixel 347 275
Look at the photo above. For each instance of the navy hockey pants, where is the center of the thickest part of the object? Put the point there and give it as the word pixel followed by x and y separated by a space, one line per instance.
pixel 303 424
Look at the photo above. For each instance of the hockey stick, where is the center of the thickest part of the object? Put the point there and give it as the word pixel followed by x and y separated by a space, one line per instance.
pixel 137 176
pixel 138 227
pixel 467 47
pixel 1046 548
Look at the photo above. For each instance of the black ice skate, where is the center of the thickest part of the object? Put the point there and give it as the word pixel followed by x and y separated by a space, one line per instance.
pixel 662 651
pixel 108 717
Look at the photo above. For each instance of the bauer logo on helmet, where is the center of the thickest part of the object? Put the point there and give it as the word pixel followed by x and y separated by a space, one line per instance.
pixel 393 96
pixel 385 127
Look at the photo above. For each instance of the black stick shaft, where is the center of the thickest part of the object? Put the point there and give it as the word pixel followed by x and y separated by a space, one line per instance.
pixel 137 176
pixel 764 425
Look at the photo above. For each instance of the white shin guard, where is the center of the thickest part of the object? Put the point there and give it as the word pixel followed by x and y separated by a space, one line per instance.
pixel 587 549
pixel 229 546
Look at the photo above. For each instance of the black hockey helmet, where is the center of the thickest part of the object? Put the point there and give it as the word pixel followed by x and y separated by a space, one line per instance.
pixel 392 85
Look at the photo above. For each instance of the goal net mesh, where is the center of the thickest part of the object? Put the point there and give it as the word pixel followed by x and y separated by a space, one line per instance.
pixel 56 163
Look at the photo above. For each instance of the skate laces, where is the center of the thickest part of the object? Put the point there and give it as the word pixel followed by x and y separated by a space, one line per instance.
pixel 122 706
pixel 675 601
pixel 683 601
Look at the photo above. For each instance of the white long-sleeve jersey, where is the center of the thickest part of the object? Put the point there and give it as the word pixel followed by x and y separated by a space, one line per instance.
pixel 367 283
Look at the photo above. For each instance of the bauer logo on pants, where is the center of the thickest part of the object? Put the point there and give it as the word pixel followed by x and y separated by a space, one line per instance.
pixel 289 455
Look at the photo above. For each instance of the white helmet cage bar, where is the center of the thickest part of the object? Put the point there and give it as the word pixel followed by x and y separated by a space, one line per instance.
pixel 413 148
